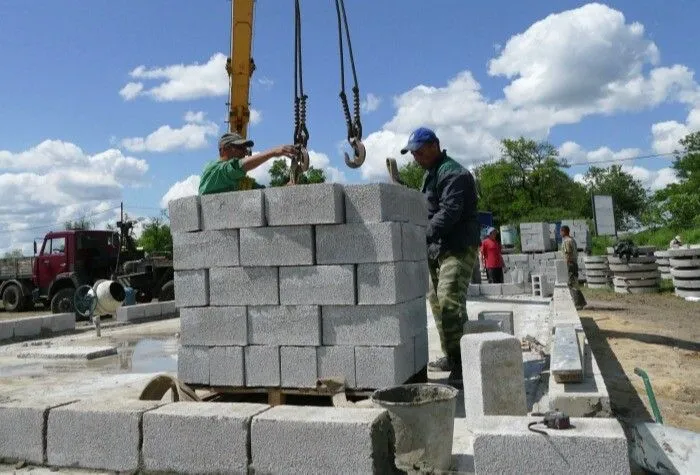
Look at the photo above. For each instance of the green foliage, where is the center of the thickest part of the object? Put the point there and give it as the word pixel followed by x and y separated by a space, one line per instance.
pixel 629 196
pixel 412 175
pixel 279 174
pixel 156 237
pixel 80 223
pixel 599 244
pixel 14 254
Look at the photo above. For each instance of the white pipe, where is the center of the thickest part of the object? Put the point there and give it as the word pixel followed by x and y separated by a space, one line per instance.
pixel 110 295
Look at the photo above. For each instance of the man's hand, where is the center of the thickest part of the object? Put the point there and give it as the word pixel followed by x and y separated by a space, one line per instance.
pixel 288 151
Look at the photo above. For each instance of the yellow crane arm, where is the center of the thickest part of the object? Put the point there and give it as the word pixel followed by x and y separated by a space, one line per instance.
pixel 240 65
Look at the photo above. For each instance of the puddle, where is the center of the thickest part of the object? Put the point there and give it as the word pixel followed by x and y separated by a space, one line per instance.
pixel 148 355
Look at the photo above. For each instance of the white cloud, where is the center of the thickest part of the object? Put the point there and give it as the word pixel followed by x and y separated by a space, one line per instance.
pixel 371 103
pixel 322 162
pixel 666 135
pixel 266 82
pixel 56 181
pixel 576 155
pixel 193 135
pixel 652 179
pixel 255 116
pixel 187 187
pixel 131 90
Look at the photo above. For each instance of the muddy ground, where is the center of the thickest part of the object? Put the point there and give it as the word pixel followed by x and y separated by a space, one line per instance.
pixel 659 333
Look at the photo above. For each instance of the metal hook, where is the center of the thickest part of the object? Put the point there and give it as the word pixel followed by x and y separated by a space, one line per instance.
pixel 359 157
pixel 303 158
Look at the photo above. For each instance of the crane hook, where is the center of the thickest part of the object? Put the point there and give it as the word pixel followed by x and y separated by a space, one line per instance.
pixel 359 153
pixel 302 158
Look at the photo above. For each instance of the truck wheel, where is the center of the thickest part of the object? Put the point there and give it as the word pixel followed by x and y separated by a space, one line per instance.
pixel 62 301
pixel 167 292
pixel 12 299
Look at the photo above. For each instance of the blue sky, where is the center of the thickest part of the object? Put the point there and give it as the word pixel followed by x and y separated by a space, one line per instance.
pixel 600 81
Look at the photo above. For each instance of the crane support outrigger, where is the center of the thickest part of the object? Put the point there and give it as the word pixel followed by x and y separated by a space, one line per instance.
pixel 240 67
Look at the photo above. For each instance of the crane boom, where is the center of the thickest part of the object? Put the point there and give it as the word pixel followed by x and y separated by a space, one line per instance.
pixel 240 65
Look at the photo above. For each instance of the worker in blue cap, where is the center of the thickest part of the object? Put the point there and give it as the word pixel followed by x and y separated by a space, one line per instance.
pixel 453 238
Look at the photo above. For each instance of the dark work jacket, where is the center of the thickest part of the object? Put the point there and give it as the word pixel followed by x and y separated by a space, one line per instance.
pixel 450 191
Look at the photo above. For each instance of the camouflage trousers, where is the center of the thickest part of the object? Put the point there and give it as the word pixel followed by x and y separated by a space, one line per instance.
pixel 450 275
pixel 574 287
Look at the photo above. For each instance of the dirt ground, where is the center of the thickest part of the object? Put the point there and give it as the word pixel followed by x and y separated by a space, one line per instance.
pixel 38 310
pixel 658 333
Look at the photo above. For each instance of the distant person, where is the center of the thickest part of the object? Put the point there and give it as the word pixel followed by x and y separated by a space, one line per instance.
pixel 453 236
pixel 228 173
pixel 569 250
pixel 492 257
pixel 675 243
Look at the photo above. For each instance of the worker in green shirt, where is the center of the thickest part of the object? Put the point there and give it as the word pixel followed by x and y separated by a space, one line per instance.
pixel 228 173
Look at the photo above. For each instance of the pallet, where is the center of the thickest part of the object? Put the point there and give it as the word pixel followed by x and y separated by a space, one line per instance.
pixel 275 396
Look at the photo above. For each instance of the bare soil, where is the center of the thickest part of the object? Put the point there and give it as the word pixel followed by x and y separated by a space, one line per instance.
pixel 38 310
pixel 659 333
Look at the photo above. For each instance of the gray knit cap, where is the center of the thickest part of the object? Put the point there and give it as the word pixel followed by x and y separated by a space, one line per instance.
pixel 234 138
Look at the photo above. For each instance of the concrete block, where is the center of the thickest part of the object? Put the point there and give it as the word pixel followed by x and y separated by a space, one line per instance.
pixel 168 308
pixel 284 325
pixel 193 364
pixel 505 319
pixel 58 322
pixel 565 363
pixel 100 434
pixel 473 290
pixel 233 210
pixel 378 202
pixel 320 203
pixel 226 366
pixel 491 289
pixel 482 326
pixel 191 288
pixel 562 273
pixel 214 326
pixel 382 366
pixel 413 245
pixel 185 214
pixel 373 324
pixel 317 285
pixel 298 366
pixel 222 247
pixel 494 375
pixel 358 242
pixel 213 437
pixel 511 289
pixel 27 327
pixel 277 246
pixel 262 365
pixel 337 362
pixel 322 440
pixel 420 351
pixel 7 329
pixel 130 313
pixel 23 426
pixel 204 249
pixel 391 282
pixel 244 286
pixel 68 352
pixel 594 445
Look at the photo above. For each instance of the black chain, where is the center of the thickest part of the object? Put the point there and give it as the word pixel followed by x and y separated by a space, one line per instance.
pixel 301 133
pixel 353 123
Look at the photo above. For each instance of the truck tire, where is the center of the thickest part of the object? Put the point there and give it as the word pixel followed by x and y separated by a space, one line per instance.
pixel 62 301
pixel 12 299
pixel 167 292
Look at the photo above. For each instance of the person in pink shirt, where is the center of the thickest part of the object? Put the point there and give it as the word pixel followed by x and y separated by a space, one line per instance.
pixel 492 257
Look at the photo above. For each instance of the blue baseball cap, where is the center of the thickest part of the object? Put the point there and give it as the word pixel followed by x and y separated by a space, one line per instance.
pixel 418 138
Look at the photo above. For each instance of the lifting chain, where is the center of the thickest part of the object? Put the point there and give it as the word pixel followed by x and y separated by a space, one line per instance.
pixel 353 123
pixel 300 163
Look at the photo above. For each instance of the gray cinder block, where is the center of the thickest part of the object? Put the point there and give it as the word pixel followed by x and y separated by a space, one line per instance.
pixel 58 322
pixel 322 440
pixel 204 249
pixel 337 362
pixel 226 366
pixel 504 444
pixel 185 214
pixel 373 324
pixel 212 437
pixel 358 242
pixel 284 325
pixel 214 326
pixel 277 246
pixel 130 313
pixel 377 202
pixel 7 329
pixel 511 289
pixel 565 362
pixel 233 210
pixel 491 289
pixel 505 318
pixel 191 288
pixel 23 429
pixel 391 282
pixel 420 351
pixel 562 273
pixel 317 285
pixel 298 366
pixel 193 364
pixel 382 366
pixel 97 434
pixel 262 365
pixel 413 245
pixel 320 203
pixel 26 327
pixel 482 326
pixel 493 369
pixel 168 308
pixel 244 286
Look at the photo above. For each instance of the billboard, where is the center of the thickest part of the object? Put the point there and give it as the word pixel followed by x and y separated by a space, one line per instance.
pixel 604 215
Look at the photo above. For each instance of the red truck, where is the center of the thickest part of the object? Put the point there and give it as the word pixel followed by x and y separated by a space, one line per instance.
pixel 71 258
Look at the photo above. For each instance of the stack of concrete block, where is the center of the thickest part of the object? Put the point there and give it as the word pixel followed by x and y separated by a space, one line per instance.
pixel 662 260
pixel 598 274
pixel 685 269
pixel 580 232
pixel 535 237
pixel 638 275
pixel 33 327
pixel 284 286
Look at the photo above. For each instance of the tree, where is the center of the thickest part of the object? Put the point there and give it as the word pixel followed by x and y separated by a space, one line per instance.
pixel 156 237
pixel 279 174
pixel 628 194
pixel 14 254
pixel 80 223
pixel 412 175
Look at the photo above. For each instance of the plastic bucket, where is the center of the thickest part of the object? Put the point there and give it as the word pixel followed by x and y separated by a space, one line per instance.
pixel 423 419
